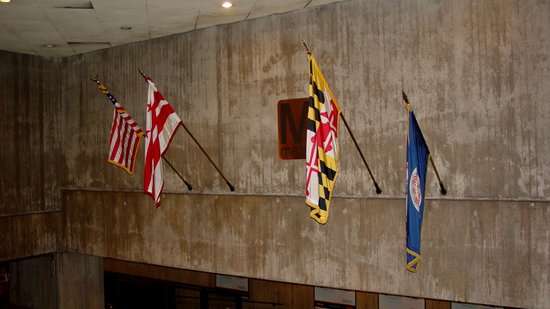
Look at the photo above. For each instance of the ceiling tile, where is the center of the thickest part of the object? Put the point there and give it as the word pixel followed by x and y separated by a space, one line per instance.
pixel 19 11
pixel 164 29
pixel 120 37
pixel 10 42
pixel 57 51
pixel 120 5
pixel 38 32
pixel 77 24
pixel 87 47
pixel 268 7
pixel 112 22
pixel 171 16
pixel 239 7
pixel 49 4
pixel 159 14
pixel 212 13
pixel 211 20
pixel 30 24
pixel 321 2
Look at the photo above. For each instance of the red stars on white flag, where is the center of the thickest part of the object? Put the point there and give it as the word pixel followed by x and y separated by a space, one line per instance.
pixel 162 123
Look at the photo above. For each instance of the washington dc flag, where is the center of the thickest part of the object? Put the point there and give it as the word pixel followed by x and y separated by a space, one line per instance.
pixel 162 124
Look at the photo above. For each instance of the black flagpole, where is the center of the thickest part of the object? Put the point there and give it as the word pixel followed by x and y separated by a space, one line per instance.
pixel 177 173
pixel 442 189
pixel 231 188
pixel 378 190
pixel 189 187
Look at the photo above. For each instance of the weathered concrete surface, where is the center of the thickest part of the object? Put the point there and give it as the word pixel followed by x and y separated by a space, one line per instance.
pixel 473 251
pixel 29 131
pixel 65 280
pixel 80 281
pixel 32 282
pixel 477 72
pixel 29 235
pixel 29 155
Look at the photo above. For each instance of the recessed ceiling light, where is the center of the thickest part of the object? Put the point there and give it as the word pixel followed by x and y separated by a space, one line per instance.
pixel 5 1
pixel 45 45
pixel 125 28
pixel 227 4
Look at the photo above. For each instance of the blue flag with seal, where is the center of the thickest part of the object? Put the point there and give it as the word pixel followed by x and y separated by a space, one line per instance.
pixel 417 165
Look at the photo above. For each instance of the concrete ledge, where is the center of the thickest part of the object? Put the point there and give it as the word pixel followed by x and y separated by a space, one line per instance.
pixel 28 235
pixel 472 251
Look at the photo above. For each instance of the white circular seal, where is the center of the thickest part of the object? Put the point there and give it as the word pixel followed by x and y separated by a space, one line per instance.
pixel 414 189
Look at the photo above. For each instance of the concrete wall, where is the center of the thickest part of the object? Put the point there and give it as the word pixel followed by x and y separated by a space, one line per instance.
pixel 65 280
pixel 79 281
pixel 474 251
pixel 477 73
pixel 33 282
pixel 29 235
pixel 29 155
pixel 29 130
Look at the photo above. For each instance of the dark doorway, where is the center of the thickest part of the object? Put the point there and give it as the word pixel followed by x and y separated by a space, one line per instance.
pixel 124 291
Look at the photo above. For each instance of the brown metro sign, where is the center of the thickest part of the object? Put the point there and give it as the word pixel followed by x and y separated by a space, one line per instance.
pixel 292 120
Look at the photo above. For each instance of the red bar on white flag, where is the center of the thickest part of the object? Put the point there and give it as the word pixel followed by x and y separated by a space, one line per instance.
pixel 162 123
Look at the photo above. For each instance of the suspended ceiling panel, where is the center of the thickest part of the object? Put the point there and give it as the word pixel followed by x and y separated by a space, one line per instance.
pixel 58 28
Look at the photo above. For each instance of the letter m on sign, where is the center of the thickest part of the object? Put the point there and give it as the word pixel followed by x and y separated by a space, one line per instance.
pixel 292 119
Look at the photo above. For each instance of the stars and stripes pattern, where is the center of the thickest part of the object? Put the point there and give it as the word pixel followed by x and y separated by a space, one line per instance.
pixel 321 144
pixel 162 124
pixel 125 135
pixel 417 166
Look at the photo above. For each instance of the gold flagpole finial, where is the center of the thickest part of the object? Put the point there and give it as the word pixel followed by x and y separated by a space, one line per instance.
pixel 406 99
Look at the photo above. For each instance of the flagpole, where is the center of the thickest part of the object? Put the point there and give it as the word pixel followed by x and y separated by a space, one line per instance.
pixel 378 190
pixel 442 189
pixel 307 48
pixel 189 187
pixel 177 173
pixel 231 188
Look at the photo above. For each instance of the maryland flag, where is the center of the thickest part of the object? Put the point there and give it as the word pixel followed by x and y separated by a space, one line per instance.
pixel 417 165
pixel 125 135
pixel 321 143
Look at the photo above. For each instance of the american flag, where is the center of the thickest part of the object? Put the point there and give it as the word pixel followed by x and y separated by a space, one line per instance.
pixel 321 144
pixel 125 135
pixel 162 123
